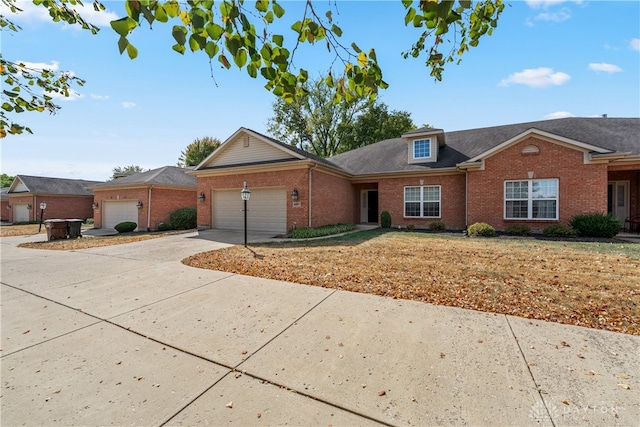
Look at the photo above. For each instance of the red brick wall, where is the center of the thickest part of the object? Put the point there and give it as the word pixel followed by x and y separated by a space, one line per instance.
pixel 452 199
pixel 163 202
pixel 58 207
pixel 334 200
pixel 4 210
pixel 295 178
pixel 582 188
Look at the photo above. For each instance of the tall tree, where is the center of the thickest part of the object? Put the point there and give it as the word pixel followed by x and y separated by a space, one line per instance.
pixel 126 170
pixel 233 33
pixel 6 180
pixel 315 122
pixel 197 151
pixel 375 124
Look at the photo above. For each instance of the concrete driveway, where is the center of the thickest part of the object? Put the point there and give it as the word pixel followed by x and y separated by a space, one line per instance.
pixel 128 335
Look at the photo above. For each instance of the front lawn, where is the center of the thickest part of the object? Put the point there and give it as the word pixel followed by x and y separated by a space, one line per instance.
pixel 587 284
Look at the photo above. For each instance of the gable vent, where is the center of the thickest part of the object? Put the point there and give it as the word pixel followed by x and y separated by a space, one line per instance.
pixel 530 149
pixel 246 141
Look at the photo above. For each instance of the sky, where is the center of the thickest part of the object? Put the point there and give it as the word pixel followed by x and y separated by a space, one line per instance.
pixel 547 59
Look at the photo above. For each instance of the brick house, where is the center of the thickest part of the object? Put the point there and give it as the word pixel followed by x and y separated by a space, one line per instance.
pixel 146 198
pixel 536 173
pixel 4 204
pixel 64 198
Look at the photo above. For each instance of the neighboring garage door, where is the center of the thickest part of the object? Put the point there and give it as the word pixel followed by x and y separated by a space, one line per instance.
pixel 20 213
pixel 113 213
pixel 266 210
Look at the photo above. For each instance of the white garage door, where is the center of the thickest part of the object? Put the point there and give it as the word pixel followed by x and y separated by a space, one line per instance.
pixel 113 213
pixel 20 213
pixel 266 210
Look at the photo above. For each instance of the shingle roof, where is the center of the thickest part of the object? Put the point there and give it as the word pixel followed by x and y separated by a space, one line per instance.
pixel 614 134
pixel 166 175
pixel 46 185
pixel 3 193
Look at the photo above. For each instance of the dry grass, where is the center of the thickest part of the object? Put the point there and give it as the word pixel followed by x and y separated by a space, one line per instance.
pixel 20 230
pixel 89 242
pixel 587 284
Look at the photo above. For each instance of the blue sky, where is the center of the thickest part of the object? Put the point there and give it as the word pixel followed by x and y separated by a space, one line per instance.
pixel 546 59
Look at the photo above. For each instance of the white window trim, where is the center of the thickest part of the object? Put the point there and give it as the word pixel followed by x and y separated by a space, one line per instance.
pixel 413 147
pixel 530 200
pixel 421 187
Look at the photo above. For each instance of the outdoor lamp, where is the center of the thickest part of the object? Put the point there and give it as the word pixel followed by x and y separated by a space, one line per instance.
pixel 201 196
pixel 294 195
pixel 139 204
pixel 94 206
pixel 8 206
pixel 29 207
pixel 43 206
pixel 245 194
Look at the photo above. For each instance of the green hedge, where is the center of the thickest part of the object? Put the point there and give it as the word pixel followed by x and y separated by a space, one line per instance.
pixel 385 219
pixel 184 219
pixel 481 229
pixel 596 225
pixel 325 230
pixel 125 227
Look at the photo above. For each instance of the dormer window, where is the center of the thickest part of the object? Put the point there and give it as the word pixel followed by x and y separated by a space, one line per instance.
pixel 422 148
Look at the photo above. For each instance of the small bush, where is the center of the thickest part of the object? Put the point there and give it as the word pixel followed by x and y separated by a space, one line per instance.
pixel 89 221
pixel 595 225
pixel 164 226
pixel 481 229
pixel 437 226
pixel 184 219
pixel 518 230
pixel 559 230
pixel 325 230
pixel 126 227
pixel 385 219
pixel 410 227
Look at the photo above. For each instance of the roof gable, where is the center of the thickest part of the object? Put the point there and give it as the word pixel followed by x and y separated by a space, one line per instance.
pixel 46 185
pixel 166 175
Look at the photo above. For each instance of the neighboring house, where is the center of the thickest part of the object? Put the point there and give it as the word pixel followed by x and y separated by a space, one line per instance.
pixel 4 206
pixel 146 198
pixel 536 173
pixel 64 198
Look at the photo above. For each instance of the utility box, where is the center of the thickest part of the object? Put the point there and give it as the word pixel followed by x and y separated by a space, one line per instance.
pixel 73 228
pixel 56 229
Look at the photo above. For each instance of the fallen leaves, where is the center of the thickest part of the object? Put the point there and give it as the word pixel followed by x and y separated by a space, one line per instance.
pixel 532 279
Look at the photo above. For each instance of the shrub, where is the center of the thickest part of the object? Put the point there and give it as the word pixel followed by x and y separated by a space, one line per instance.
pixel 518 230
pixel 410 227
pixel 595 224
pixel 437 226
pixel 481 229
pixel 385 219
pixel 88 221
pixel 126 227
pixel 325 230
pixel 559 230
pixel 164 226
pixel 184 219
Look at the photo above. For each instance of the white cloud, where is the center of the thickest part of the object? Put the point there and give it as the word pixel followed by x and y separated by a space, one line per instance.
pixel 99 97
pixel 606 68
pixel 545 4
pixel 558 115
pixel 128 104
pixel 635 44
pixel 538 77
pixel 33 13
pixel 39 66
pixel 559 16
pixel 73 96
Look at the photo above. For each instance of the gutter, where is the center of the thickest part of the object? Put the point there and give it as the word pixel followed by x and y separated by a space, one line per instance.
pixel 311 168
pixel 149 210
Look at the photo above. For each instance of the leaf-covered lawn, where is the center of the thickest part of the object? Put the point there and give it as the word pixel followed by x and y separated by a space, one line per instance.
pixel 21 230
pixel 596 285
pixel 89 242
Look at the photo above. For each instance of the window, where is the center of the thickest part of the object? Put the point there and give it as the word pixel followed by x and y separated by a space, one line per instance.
pixel 422 201
pixel 531 199
pixel 422 148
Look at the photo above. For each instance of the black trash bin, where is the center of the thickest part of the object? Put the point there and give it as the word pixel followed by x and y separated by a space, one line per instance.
pixel 73 228
pixel 56 229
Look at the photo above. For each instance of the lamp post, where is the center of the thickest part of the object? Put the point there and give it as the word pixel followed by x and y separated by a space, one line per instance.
pixel 43 206
pixel 245 194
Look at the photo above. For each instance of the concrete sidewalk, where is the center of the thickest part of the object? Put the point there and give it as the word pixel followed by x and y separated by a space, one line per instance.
pixel 129 335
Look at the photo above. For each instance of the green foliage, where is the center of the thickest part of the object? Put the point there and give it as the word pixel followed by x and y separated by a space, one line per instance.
pixel 596 224
pixel 375 124
pixel 88 221
pixel 385 219
pixel 518 230
pixel 126 227
pixel 437 226
pixel 481 229
pixel 325 230
pixel 126 170
pixel 6 180
pixel 197 151
pixel 559 230
pixel 164 226
pixel 184 219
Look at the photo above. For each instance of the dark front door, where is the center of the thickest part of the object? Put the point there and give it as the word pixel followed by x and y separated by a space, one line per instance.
pixel 372 198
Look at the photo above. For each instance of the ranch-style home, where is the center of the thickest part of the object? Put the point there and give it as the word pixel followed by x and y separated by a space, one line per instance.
pixel 537 173
pixel 64 198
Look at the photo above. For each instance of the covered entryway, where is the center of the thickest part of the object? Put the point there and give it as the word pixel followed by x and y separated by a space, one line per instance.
pixel 115 212
pixel 21 213
pixel 266 210
pixel 369 206
pixel 618 199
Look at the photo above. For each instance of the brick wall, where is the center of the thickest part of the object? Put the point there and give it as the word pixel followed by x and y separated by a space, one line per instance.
pixel 582 188
pixel 58 207
pixel 122 194
pixel 334 200
pixel 452 199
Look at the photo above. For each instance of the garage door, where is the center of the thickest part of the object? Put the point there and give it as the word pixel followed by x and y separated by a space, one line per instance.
pixel 114 213
pixel 20 213
pixel 266 210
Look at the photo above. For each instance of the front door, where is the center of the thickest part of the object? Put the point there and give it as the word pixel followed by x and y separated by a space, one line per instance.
pixel 369 206
pixel 618 199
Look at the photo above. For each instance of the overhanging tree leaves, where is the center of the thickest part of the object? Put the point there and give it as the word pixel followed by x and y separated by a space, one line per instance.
pixel 197 151
pixel 126 170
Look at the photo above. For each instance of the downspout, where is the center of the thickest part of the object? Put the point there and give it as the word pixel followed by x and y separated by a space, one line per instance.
pixel 466 199
pixel 310 171
pixel 149 210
